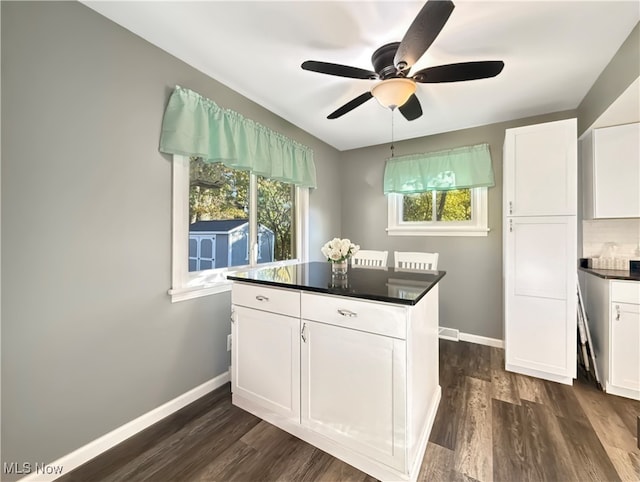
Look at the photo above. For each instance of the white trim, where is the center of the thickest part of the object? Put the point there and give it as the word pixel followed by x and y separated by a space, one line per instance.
pixel 451 334
pixel 481 340
pixel 198 291
pixel 478 226
pixel 85 453
pixel 302 223
pixel 179 223
pixel 448 333
pixel 435 231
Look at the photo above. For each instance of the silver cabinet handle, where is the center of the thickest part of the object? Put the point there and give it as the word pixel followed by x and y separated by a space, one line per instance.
pixel 262 298
pixel 511 225
pixel 617 312
pixel 510 207
pixel 347 313
pixel 304 338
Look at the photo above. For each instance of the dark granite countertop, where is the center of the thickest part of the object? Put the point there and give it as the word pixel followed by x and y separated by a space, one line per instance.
pixel 405 287
pixel 612 274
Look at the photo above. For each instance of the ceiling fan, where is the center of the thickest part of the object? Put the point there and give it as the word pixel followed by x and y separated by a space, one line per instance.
pixel 393 61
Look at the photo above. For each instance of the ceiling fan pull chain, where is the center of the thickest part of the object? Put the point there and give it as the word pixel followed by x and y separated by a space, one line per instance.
pixel 392 131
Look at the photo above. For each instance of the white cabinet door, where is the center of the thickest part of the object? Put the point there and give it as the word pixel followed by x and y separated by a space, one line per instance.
pixel 616 170
pixel 625 345
pixel 353 390
pixel 540 169
pixel 266 360
pixel 540 293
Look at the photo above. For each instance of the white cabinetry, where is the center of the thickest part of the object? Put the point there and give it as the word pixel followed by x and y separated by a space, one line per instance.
pixel 356 378
pixel 353 390
pixel 539 295
pixel 611 168
pixel 540 169
pixel 613 311
pixel 266 349
pixel 540 250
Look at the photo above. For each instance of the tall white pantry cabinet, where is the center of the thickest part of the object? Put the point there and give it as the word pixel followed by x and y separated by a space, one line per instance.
pixel 540 250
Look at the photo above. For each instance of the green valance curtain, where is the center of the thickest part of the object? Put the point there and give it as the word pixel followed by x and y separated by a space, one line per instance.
pixel 459 168
pixel 198 127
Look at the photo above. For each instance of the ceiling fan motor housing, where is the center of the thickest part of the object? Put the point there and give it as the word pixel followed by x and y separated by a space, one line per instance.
pixel 382 60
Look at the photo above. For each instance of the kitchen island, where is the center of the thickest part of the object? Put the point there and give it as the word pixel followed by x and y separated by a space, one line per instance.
pixel 348 364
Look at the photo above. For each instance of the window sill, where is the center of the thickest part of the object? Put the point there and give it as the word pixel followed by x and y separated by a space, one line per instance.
pixel 437 231
pixel 210 283
pixel 190 293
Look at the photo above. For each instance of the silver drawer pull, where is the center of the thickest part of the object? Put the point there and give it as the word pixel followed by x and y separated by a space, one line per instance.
pixel 262 298
pixel 617 312
pixel 347 313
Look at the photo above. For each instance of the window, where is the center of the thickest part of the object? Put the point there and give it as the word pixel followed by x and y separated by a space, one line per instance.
pixel 460 212
pixel 225 218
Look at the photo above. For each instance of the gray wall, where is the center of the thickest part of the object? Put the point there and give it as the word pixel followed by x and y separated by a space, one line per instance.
pixel 620 73
pixel 90 339
pixel 471 292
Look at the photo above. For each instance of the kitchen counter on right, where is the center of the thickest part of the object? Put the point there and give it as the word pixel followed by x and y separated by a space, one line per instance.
pixel 612 306
pixel 619 274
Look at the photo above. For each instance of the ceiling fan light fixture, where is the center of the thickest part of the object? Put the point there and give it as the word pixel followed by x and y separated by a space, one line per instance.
pixel 392 93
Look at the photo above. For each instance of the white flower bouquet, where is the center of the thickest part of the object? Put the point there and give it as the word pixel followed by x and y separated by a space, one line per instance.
pixel 339 250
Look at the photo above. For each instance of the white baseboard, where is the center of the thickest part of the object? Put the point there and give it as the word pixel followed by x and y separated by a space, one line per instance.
pixel 455 335
pixel 73 460
pixel 448 333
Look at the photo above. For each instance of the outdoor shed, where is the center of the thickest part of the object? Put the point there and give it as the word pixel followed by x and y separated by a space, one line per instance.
pixel 221 243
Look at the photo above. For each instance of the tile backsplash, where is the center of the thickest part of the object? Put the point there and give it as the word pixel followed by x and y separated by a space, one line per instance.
pixel 625 233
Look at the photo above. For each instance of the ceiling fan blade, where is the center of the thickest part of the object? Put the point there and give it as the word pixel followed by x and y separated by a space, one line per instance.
pixel 339 70
pixel 411 109
pixel 349 106
pixel 459 72
pixel 422 32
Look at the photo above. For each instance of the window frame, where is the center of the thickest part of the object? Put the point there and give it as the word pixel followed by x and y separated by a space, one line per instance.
pixel 186 285
pixel 478 226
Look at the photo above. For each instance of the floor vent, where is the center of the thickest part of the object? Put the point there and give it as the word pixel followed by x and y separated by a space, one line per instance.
pixel 449 334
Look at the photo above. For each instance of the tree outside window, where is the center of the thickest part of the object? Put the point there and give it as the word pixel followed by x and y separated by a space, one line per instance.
pixel 454 205
pixel 219 204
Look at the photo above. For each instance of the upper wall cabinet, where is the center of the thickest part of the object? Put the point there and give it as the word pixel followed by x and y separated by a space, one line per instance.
pixel 540 169
pixel 611 170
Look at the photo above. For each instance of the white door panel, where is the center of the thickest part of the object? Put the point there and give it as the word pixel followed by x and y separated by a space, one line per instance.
pixel 266 360
pixel 625 345
pixel 353 386
pixel 540 169
pixel 540 292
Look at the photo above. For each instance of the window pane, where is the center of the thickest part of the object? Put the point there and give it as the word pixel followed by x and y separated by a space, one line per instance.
pixel 276 239
pixel 218 216
pixel 417 207
pixel 453 205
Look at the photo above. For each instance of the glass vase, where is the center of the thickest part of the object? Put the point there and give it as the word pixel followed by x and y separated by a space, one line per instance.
pixel 339 269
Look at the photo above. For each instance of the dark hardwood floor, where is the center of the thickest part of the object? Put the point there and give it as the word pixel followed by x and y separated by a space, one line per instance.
pixel 491 425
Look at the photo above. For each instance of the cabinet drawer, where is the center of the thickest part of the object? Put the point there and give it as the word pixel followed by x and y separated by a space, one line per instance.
pixel 282 301
pixel 625 291
pixel 369 316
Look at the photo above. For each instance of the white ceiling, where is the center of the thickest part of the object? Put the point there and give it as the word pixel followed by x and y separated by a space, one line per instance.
pixel 553 53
